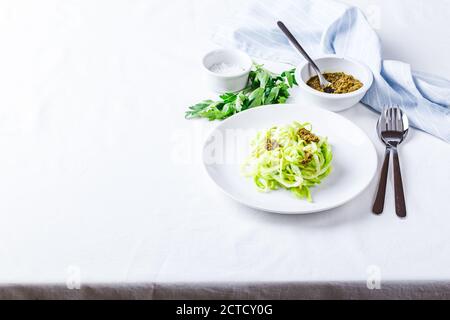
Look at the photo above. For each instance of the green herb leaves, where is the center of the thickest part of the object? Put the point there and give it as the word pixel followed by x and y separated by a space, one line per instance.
pixel 263 88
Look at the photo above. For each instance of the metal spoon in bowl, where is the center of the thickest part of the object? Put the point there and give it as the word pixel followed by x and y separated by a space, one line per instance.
pixel 324 83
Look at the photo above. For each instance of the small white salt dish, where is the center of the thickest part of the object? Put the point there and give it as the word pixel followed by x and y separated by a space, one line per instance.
pixel 328 64
pixel 227 70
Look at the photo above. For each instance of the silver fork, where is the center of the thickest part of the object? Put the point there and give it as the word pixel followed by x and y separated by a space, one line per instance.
pixel 392 129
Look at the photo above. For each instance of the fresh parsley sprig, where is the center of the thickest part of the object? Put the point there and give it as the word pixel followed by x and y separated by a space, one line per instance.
pixel 264 87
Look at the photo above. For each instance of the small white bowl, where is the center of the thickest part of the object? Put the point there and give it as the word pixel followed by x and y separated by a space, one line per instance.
pixel 227 70
pixel 332 63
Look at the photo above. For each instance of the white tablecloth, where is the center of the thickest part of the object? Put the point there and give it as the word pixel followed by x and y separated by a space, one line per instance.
pixel 102 186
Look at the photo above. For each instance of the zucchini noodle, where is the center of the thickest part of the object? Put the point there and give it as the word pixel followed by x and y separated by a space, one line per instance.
pixel 289 157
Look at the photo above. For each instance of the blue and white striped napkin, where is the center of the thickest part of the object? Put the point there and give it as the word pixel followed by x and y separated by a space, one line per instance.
pixel 329 27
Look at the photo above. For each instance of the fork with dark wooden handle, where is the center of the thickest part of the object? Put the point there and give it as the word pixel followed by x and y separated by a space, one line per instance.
pixel 378 205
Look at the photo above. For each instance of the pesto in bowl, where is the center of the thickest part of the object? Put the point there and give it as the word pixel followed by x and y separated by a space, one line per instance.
pixel 340 82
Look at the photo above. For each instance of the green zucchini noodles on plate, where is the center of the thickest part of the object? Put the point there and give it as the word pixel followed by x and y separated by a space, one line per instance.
pixel 289 157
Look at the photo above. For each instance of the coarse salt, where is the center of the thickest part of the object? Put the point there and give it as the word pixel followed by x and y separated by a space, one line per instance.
pixel 226 69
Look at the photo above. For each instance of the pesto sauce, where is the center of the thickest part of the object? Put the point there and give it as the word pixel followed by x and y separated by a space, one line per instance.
pixel 340 82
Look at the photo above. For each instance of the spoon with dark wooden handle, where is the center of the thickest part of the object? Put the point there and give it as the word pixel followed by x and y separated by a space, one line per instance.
pixel 324 83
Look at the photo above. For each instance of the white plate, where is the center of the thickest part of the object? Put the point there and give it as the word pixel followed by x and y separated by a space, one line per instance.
pixel 354 158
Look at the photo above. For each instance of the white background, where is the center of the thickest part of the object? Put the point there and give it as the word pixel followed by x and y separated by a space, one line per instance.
pixel 100 173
